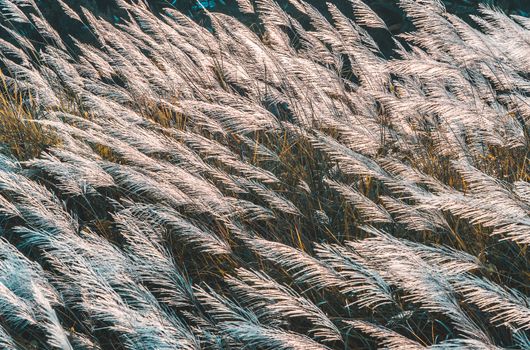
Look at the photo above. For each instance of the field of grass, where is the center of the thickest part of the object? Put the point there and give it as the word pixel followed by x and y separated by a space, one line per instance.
pixel 166 184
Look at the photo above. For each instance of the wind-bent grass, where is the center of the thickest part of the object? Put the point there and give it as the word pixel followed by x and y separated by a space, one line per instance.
pixel 168 185
pixel 20 134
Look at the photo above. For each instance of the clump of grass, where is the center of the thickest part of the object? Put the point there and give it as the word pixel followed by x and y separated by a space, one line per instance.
pixel 20 134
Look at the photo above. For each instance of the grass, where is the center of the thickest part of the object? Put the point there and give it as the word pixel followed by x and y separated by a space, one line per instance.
pixel 20 133
pixel 362 224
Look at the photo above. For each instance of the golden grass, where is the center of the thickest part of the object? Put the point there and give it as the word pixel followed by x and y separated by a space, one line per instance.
pixel 19 133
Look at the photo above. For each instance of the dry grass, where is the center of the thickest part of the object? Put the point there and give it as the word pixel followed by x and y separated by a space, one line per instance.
pixel 19 133
pixel 235 189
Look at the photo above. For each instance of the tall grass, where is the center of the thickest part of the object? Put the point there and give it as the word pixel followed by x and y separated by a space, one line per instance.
pixel 20 135
pixel 172 185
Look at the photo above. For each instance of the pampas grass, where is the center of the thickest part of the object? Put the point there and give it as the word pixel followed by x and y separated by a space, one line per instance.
pixel 166 184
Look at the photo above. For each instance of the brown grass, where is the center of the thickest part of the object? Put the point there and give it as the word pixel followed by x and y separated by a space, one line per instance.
pixel 20 134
